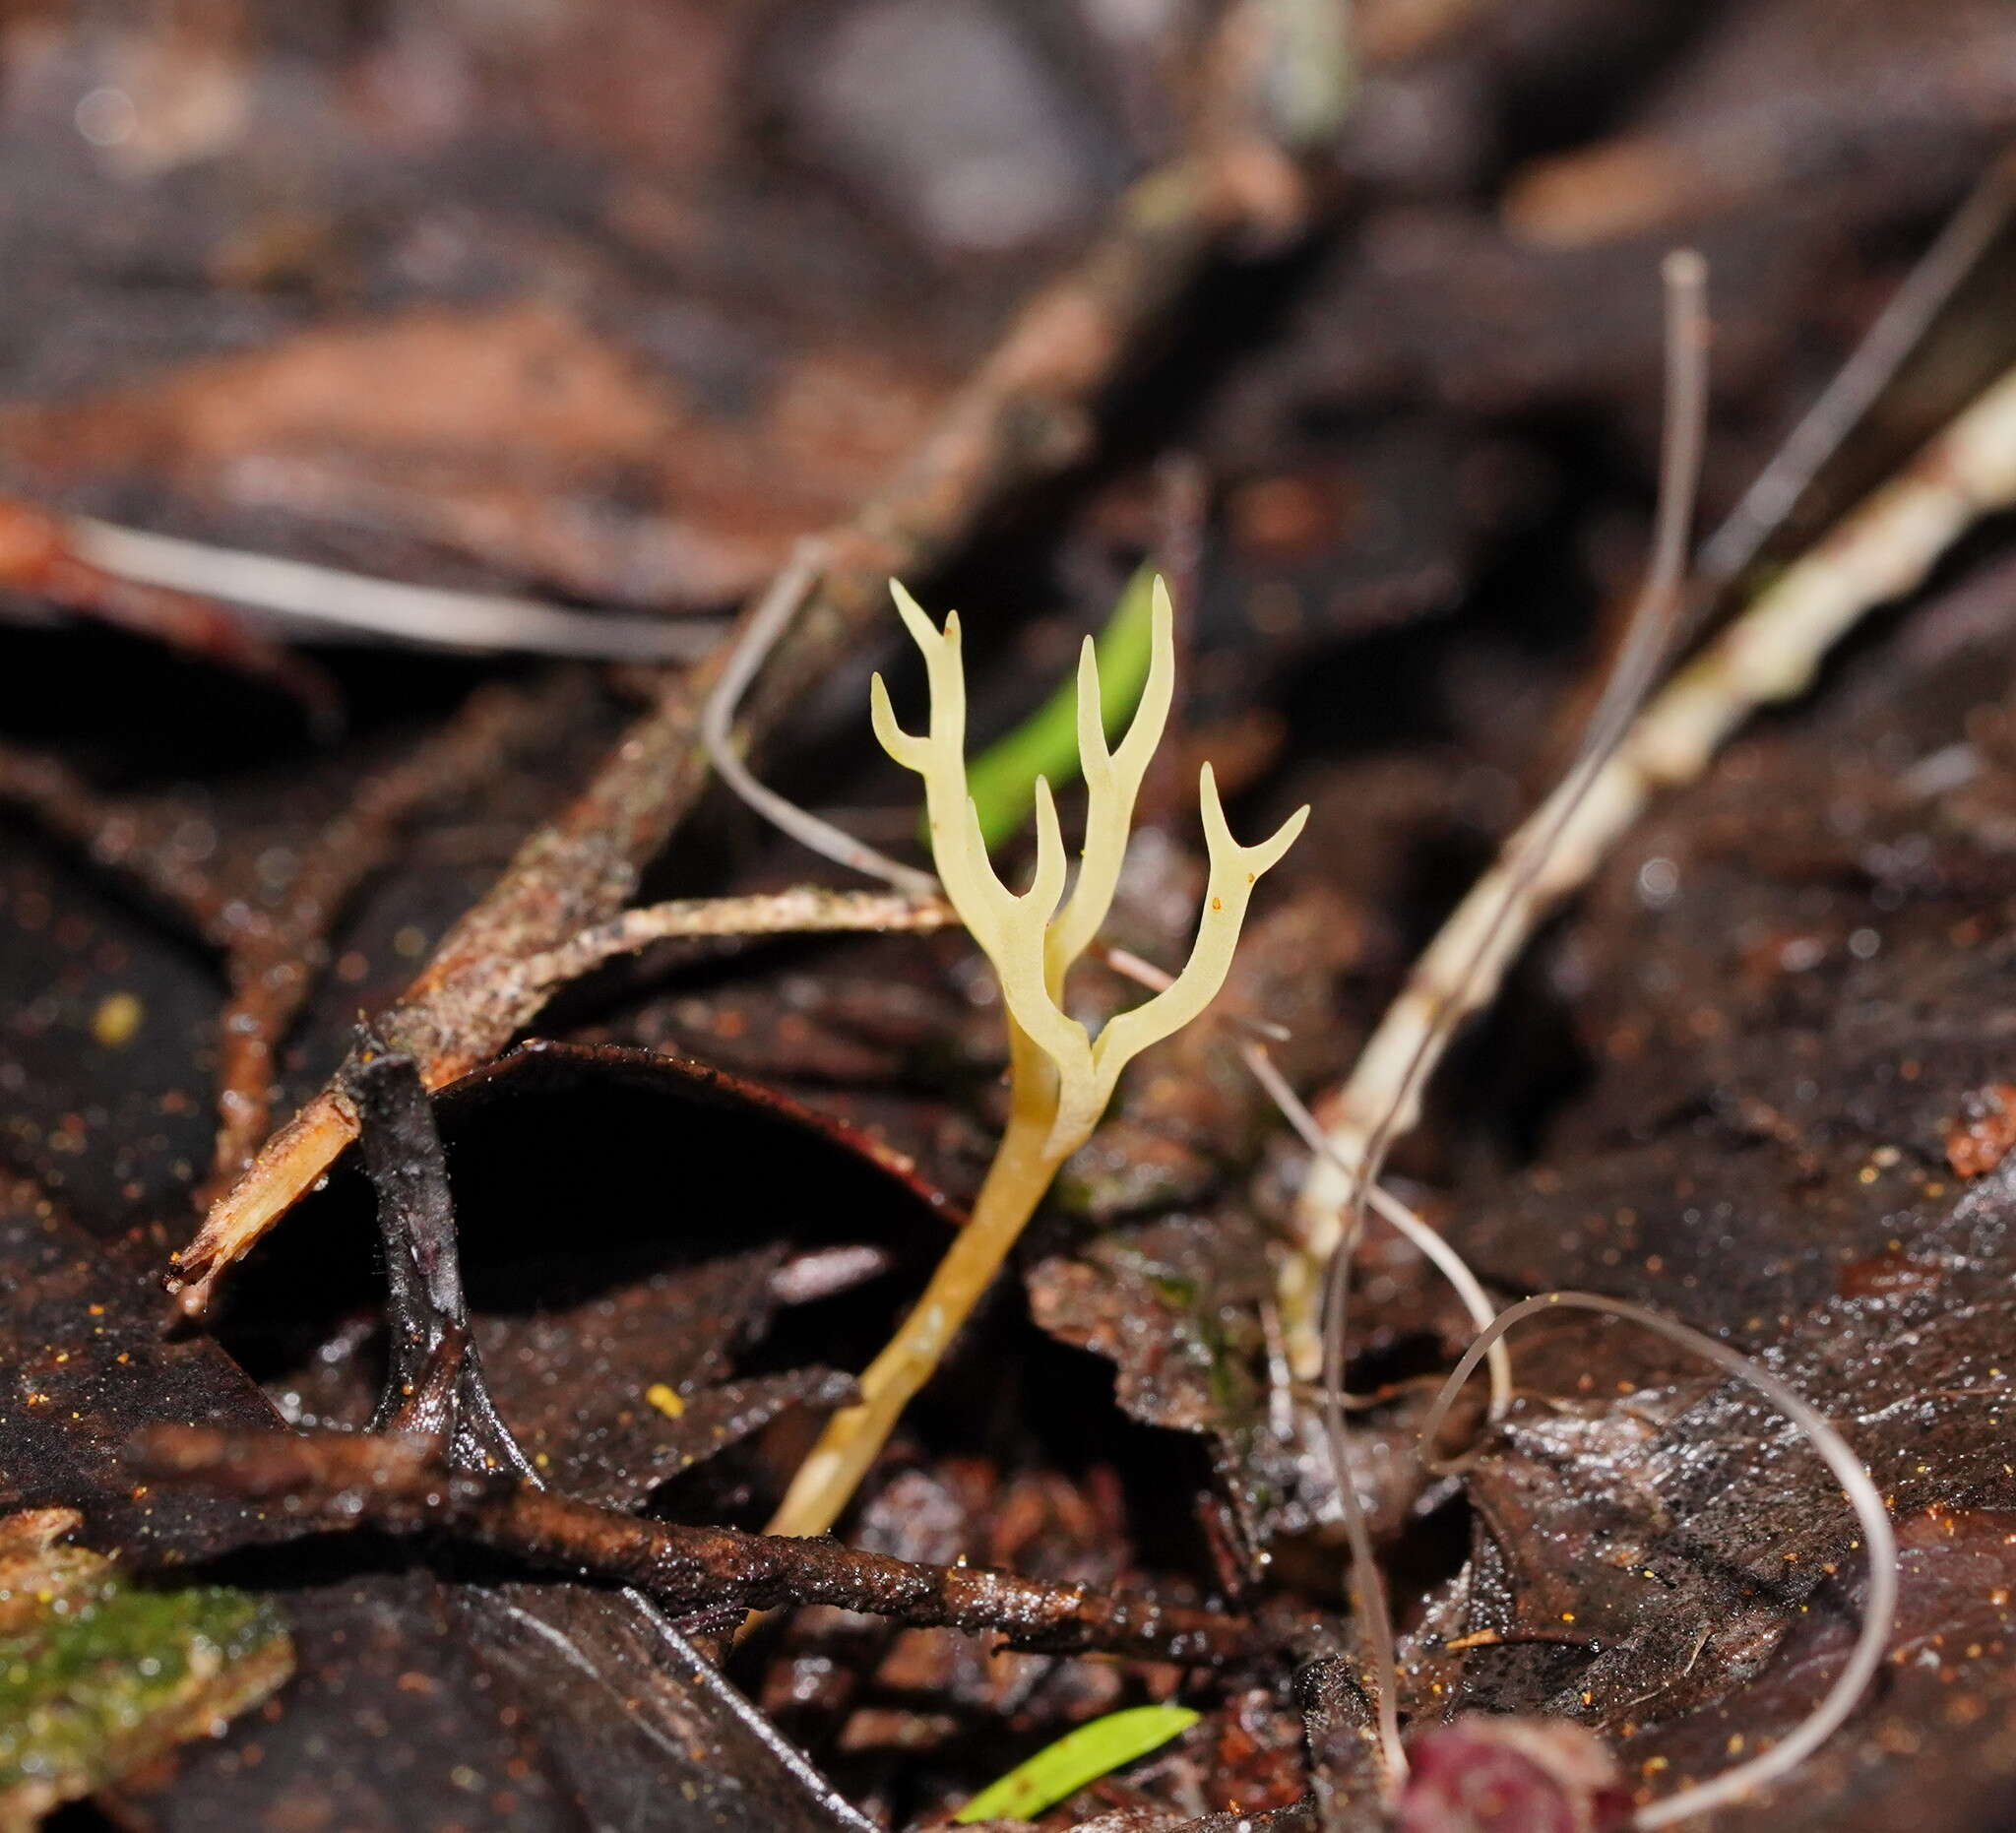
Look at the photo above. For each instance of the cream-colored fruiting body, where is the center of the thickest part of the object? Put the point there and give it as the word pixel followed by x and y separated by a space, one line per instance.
pixel 1060 1076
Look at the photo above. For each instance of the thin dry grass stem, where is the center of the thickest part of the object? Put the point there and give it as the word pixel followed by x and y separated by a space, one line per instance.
pixel 1060 1076
pixel 1879 1609
pixel 1769 653
pixel 1396 1214
pixel 771 618
pixel 1897 330
pixel 1347 1173
pixel 329 601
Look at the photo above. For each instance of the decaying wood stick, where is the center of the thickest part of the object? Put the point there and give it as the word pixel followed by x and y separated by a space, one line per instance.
pixel 105 832
pixel 398 1480
pixel 1024 416
pixel 1880 551
pixel 276 957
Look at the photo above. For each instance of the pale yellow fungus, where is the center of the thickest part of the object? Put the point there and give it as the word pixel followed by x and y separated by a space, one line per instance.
pixel 1060 1076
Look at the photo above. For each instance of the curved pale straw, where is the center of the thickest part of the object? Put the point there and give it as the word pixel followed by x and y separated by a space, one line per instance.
pixel 324 603
pixel 1652 621
pixel 758 637
pixel 1897 330
pixel 1430 1241
pixel 1879 1611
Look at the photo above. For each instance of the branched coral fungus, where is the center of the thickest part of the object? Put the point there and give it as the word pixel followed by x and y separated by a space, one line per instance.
pixel 1060 1076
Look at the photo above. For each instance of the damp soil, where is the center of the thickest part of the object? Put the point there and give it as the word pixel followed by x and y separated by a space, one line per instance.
pixel 608 305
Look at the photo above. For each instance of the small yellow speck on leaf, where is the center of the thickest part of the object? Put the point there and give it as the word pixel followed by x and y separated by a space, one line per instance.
pixel 665 1400
pixel 118 1017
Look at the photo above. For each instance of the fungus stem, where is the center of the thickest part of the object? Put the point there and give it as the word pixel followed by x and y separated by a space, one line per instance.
pixel 1015 1184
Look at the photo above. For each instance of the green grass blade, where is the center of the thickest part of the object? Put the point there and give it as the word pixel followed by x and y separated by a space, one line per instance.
pixel 1002 778
pixel 1084 1755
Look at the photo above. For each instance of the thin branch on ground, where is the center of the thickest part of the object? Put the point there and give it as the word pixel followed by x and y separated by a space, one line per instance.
pixel 1025 415
pixel 276 958
pixel 107 833
pixel 398 1480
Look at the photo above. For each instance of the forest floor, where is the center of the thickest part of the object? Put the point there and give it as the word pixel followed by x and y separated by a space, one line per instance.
pixel 597 310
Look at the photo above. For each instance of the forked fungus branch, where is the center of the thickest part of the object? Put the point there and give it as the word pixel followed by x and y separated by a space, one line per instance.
pixel 1060 1076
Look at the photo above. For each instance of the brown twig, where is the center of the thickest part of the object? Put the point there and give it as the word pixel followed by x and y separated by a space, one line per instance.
pixel 398 1480
pixel 1024 416
pixel 276 959
pixel 802 909
pixel 108 834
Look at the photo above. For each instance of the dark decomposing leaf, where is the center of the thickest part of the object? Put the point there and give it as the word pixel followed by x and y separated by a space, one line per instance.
pixel 658 497
pixel 626 1700
pixel 440 1454
pixel 354 1637
pixel 1798 1019
pixel 1805 85
pixel 615 303
pixel 38 559
pixel 162 940
pixel 611 1345
pixel 387 1674
pixel 88 1364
